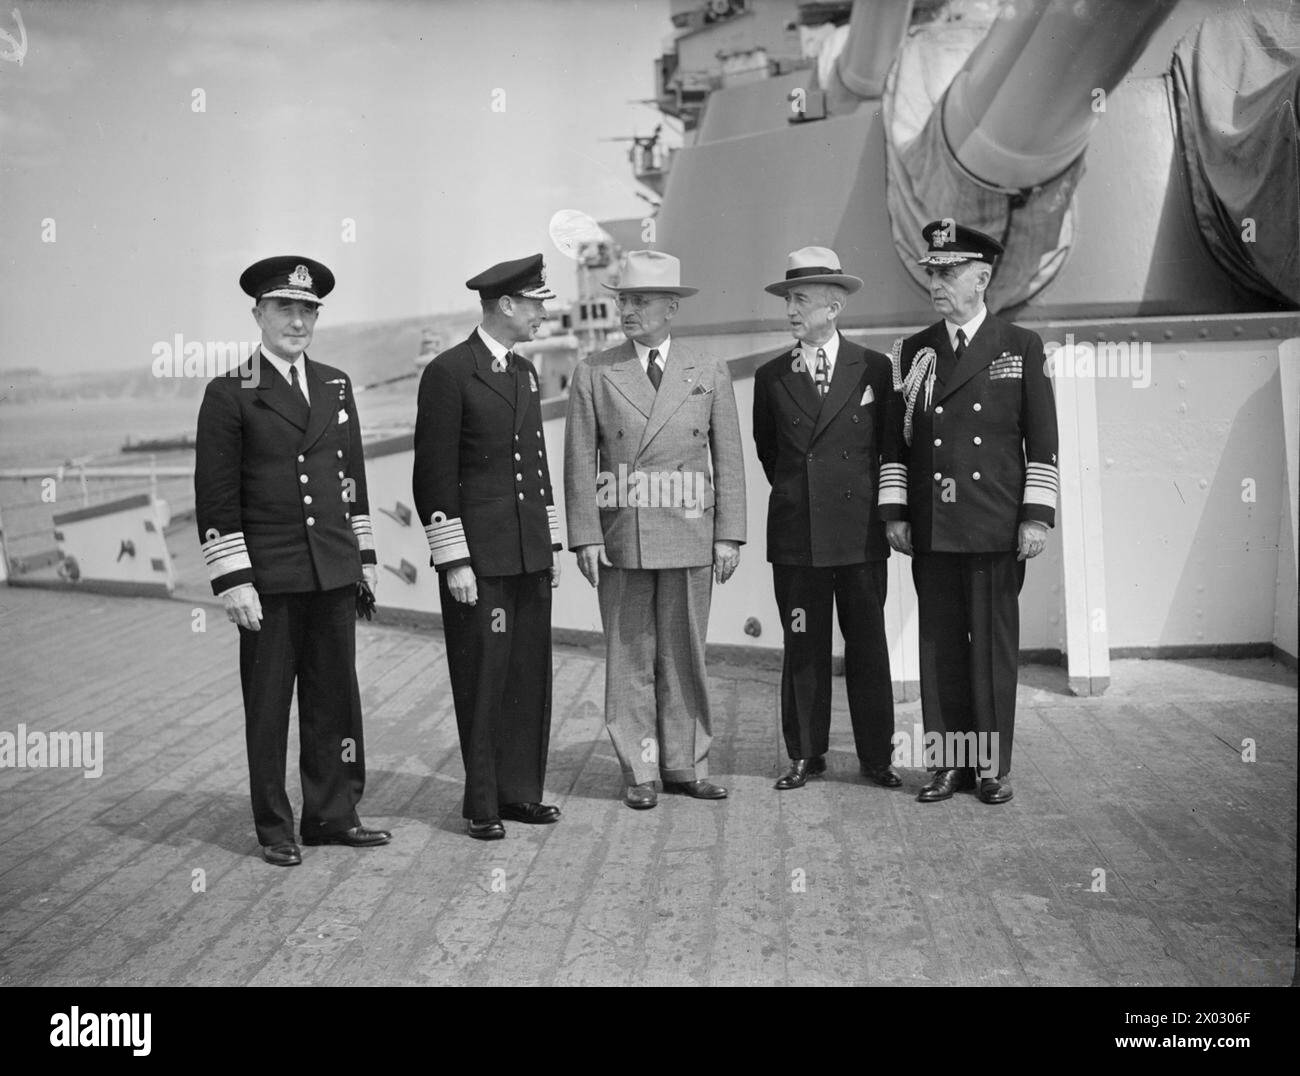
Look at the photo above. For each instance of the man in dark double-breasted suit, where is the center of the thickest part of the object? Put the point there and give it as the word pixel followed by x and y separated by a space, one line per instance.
pixel 968 488
pixel 818 417
pixel 483 492
pixel 284 522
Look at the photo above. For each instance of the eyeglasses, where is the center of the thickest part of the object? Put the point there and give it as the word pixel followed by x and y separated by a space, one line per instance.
pixel 637 301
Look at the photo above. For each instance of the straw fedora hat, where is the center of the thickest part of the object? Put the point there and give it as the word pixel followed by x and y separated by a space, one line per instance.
pixel 651 271
pixel 814 265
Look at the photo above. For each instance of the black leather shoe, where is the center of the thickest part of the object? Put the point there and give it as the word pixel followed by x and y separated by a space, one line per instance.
pixel 800 770
pixel 284 854
pixel 945 783
pixel 882 775
pixel 995 789
pixel 641 797
pixel 700 790
pixel 356 837
pixel 539 814
pixel 488 829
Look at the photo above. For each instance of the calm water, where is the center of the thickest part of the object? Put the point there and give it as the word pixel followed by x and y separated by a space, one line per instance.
pixel 44 433
pixel 50 431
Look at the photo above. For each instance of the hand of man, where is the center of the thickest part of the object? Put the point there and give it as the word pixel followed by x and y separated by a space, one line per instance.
pixel 899 536
pixel 243 606
pixel 463 585
pixel 726 558
pixel 555 573
pixel 370 573
pixel 591 558
pixel 1033 539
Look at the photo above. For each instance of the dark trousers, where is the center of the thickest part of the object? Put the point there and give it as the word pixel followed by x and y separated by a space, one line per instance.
pixel 968 607
pixel 805 597
pixel 499 657
pixel 309 638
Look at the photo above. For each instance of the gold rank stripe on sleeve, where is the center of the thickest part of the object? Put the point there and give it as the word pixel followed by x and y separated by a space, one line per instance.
pixel 225 554
pixel 1041 484
pixel 553 520
pixel 447 540
pixel 893 484
pixel 365 532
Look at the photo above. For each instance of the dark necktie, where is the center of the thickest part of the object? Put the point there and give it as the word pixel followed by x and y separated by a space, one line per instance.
pixel 652 370
pixel 944 365
pixel 821 375
pixel 510 362
pixel 294 382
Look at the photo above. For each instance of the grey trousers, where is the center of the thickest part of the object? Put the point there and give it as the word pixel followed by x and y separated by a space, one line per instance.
pixel 656 684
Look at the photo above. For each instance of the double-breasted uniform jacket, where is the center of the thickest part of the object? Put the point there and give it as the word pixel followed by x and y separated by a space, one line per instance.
pixel 620 428
pixel 481 481
pixel 982 457
pixel 822 457
pixel 280 487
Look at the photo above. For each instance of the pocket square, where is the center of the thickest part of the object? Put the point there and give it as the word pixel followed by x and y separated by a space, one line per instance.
pixel 700 390
pixel 343 415
pixel 867 397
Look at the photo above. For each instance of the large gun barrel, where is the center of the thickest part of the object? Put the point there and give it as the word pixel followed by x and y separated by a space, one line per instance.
pixel 875 32
pixel 1022 107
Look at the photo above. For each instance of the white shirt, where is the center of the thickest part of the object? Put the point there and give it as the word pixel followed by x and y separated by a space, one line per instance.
pixel 809 352
pixel 643 353
pixel 283 365
pixel 970 328
pixel 499 351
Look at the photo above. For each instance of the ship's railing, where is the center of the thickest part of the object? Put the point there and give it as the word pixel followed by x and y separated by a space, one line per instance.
pixel 30 497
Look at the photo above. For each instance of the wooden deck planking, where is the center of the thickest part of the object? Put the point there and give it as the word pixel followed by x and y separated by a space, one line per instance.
pixel 95 875
pixel 750 940
pixel 1166 804
pixel 374 959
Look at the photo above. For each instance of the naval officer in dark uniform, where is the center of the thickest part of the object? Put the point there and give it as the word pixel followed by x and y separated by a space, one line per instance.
pixel 483 492
pixel 284 522
pixel 819 414
pixel 968 488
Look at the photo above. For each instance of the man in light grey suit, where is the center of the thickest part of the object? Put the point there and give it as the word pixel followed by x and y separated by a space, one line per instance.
pixel 654 484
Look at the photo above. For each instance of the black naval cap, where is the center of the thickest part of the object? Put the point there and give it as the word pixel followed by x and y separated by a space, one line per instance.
pixel 952 244
pixel 523 276
pixel 288 276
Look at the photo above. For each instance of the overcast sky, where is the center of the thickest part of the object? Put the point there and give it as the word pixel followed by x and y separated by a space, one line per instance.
pixel 315 112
